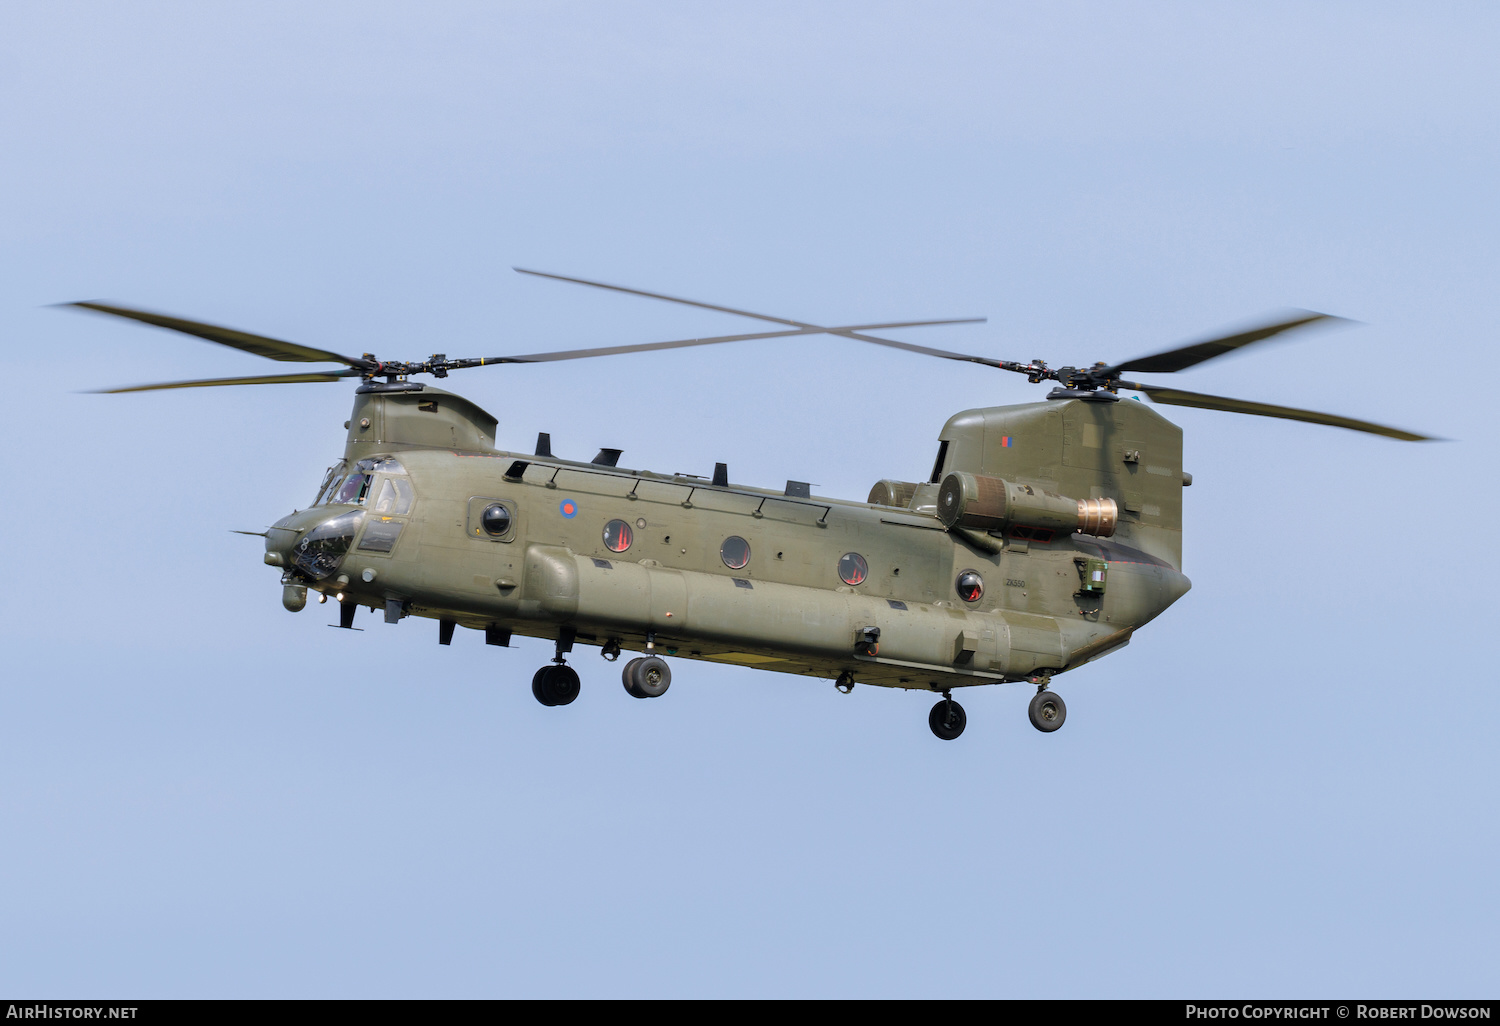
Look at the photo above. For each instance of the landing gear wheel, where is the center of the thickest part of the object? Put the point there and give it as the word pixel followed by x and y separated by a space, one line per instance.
pixel 564 684
pixel 538 690
pixel 625 678
pixel 648 677
pixel 555 685
pixel 947 719
pixel 1047 711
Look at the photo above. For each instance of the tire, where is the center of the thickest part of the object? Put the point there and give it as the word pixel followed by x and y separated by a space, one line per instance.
pixel 625 678
pixel 650 676
pixel 947 719
pixel 555 685
pixel 539 689
pixel 1047 711
pixel 562 684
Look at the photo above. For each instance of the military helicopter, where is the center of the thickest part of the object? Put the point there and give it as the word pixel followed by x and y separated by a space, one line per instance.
pixel 1046 534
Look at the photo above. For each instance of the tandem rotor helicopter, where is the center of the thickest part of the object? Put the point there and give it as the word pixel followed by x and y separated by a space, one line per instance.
pixel 1045 536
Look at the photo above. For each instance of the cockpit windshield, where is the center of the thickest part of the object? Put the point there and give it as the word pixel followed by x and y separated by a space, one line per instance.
pixel 393 494
pixel 330 482
pixel 318 552
pixel 352 489
pixel 380 465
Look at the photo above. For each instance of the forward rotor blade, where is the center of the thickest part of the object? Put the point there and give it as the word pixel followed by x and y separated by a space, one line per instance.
pixel 260 345
pixel 658 295
pixel 849 332
pixel 1177 397
pixel 1195 353
pixel 269 379
pixel 578 354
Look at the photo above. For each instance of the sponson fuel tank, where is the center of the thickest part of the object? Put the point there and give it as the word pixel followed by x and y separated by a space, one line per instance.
pixel 817 624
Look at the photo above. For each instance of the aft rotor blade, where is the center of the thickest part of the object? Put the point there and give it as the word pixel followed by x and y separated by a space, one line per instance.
pixel 268 379
pixel 260 345
pixel 849 332
pixel 1177 397
pixel 578 354
pixel 1195 353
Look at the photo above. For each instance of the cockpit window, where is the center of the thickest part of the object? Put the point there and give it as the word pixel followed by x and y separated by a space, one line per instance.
pixel 380 465
pixel 318 552
pixel 393 496
pixel 352 490
pixel 330 479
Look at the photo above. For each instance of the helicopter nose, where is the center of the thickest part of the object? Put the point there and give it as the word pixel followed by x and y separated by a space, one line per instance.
pixel 279 541
pixel 282 536
pixel 311 544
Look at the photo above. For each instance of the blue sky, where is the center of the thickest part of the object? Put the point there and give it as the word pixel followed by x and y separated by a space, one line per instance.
pixel 1284 787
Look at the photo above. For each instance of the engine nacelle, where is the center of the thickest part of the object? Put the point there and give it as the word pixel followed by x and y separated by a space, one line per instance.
pixel 987 503
pixel 892 493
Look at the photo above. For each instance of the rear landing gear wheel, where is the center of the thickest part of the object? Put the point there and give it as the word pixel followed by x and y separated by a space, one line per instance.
pixel 1047 711
pixel 647 677
pixel 947 719
pixel 556 684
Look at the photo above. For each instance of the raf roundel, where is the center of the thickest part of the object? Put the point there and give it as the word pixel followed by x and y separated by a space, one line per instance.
pixel 568 508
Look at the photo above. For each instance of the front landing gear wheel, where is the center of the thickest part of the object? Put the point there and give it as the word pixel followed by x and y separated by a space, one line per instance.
pixel 647 677
pixel 947 719
pixel 626 679
pixel 537 690
pixel 556 684
pixel 1047 711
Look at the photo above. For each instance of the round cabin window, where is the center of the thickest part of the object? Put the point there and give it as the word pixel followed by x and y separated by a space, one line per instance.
pixel 852 568
pixel 495 520
pixel 617 536
pixel 735 552
pixel 970 586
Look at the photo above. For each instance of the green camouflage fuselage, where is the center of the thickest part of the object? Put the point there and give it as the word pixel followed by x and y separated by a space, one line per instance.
pixel 1045 606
